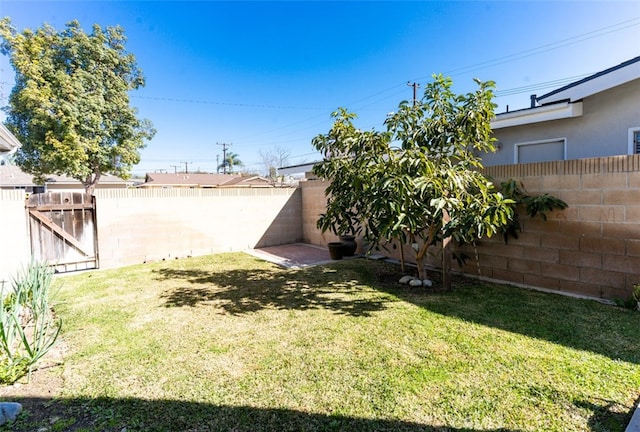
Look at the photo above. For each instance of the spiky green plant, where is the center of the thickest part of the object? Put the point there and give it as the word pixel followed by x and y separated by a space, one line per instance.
pixel 28 330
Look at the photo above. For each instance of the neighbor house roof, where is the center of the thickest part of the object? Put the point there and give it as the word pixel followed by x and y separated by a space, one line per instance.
pixel 11 175
pixel 199 180
pixel 566 102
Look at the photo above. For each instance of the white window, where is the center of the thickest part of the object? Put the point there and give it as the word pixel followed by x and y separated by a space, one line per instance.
pixel 541 151
pixel 634 140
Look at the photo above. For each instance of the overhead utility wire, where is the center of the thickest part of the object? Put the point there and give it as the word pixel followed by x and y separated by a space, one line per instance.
pixel 539 86
pixel 546 47
pixel 226 103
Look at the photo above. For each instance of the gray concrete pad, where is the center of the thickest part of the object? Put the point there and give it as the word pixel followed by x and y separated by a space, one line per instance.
pixel 296 255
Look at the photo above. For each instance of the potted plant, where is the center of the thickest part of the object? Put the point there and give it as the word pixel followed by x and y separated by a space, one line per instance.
pixel 336 250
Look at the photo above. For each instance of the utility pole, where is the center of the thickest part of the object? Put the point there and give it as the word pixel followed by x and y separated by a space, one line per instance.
pixel 224 156
pixel 175 168
pixel 415 91
pixel 186 166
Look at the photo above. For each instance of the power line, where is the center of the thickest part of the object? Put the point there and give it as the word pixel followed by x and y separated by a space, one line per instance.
pixel 235 104
pixel 546 47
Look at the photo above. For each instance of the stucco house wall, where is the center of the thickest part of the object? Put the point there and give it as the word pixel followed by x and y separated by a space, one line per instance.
pixel 597 116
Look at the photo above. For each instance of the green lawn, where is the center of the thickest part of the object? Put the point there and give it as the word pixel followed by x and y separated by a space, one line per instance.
pixel 231 343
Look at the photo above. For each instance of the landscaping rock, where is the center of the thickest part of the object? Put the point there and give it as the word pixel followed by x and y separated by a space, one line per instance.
pixel 406 279
pixel 415 283
pixel 9 411
pixel 427 283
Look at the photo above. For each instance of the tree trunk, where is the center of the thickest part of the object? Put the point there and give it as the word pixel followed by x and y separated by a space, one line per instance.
pixel 90 182
pixel 422 273
pixel 446 255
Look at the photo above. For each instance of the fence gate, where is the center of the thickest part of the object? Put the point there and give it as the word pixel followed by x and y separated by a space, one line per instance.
pixel 63 230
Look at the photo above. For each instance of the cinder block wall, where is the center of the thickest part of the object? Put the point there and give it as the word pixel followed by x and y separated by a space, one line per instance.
pixel 592 248
pixel 135 226
pixel 15 251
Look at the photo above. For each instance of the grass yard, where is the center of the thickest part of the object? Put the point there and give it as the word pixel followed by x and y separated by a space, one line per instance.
pixel 231 343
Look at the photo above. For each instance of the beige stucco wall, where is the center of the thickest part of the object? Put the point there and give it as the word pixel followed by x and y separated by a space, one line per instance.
pixel 592 248
pixel 14 238
pixel 137 225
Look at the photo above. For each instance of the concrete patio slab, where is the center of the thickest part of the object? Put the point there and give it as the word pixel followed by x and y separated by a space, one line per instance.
pixel 296 255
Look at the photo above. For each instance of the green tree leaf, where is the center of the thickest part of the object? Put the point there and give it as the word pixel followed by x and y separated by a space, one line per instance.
pixel 70 105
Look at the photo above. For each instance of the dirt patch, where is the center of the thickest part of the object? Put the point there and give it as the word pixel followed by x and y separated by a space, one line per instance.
pixel 37 392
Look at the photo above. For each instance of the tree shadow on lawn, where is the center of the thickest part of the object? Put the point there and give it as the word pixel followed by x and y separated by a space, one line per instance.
pixel 242 291
pixel 107 414
pixel 576 323
pixel 345 288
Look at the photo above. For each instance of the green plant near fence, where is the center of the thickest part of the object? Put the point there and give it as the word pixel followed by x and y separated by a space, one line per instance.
pixel 28 329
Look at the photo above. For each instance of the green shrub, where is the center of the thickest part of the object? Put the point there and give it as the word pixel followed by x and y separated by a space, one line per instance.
pixel 28 329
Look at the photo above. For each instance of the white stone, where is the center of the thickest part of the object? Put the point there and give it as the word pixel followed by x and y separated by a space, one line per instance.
pixel 415 283
pixel 427 283
pixel 406 279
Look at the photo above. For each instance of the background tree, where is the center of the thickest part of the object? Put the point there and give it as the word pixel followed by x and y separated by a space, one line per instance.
pixel 419 182
pixel 70 104
pixel 274 159
pixel 231 160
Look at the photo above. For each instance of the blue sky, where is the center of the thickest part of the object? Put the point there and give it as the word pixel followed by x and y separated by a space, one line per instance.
pixel 261 75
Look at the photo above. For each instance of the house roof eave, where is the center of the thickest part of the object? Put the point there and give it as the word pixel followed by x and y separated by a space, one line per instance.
pixel 596 83
pixel 537 114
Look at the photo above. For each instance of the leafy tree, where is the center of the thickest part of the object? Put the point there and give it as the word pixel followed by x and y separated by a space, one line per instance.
pixel 70 104
pixel 419 182
pixel 229 162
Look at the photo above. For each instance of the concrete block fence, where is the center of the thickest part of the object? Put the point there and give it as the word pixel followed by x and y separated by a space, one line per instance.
pixel 592 248
pixel 136 226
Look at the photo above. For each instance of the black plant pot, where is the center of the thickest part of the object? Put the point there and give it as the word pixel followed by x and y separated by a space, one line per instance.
pixel 350 245
pixel 336 250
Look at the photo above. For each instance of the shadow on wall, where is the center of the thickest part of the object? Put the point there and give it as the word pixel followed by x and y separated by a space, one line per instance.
pixel 109 414
pixel 287 225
